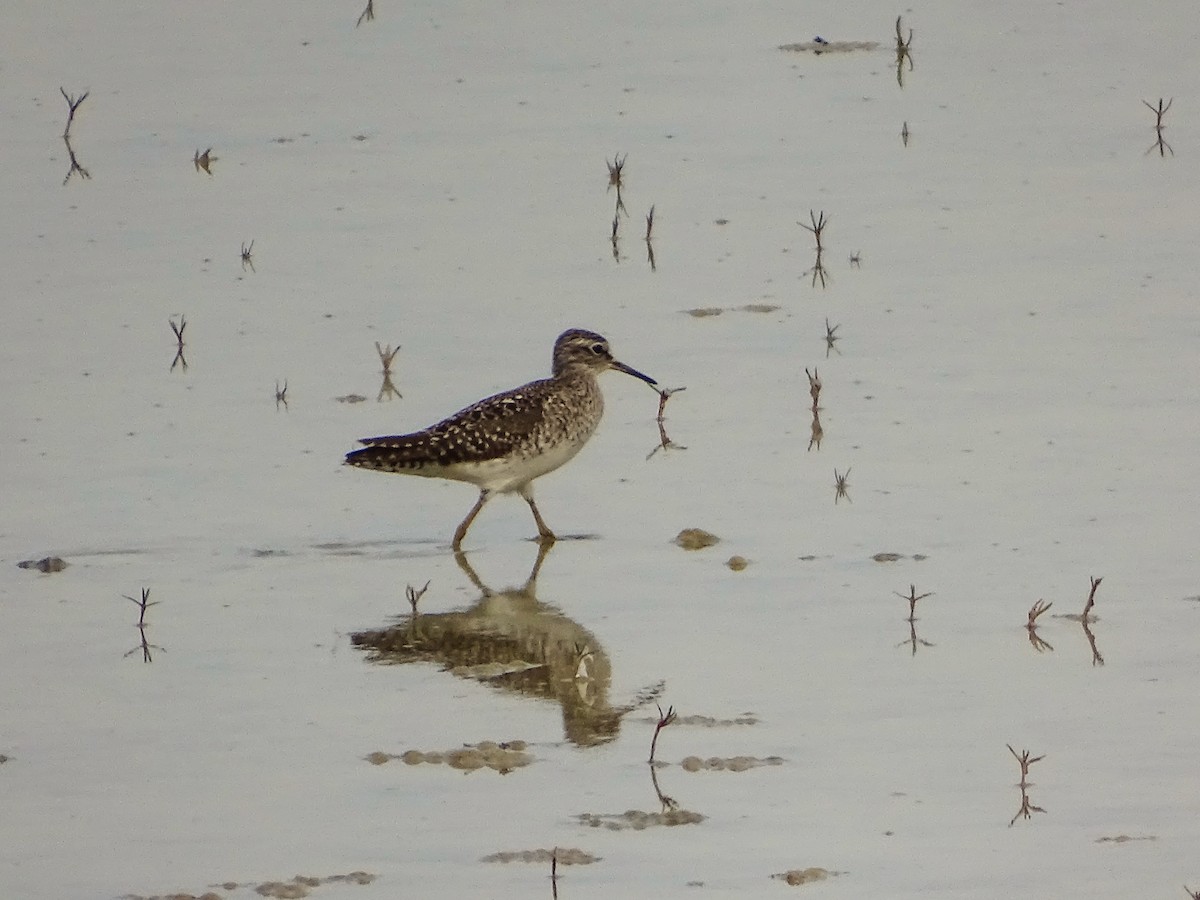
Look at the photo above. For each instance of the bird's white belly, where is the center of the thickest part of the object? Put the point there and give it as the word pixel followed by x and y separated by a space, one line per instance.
pixel 510 474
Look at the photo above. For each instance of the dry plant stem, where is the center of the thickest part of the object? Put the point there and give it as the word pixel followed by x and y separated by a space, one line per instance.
pixel 831 337
pixel 179 360
pixel 1024 760
pixel 814 386
pixel 281 394
pixel 1091 600
pixel 664 719
pixel 818 226
pixel 649 223
pixel 554 873
pixel 386 356
pixel 841 485
pixel 72 106
pixel 248 256
pixel 902 52
pixel 1035 640
pixel 904 132
pixel 615 169
pixel 912 596
pixel 1195 895
pixel 414 596
pixel 368 14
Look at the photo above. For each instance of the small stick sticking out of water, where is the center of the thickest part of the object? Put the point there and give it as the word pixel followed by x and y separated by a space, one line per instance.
pixel 614 178
pixel 1159 111
pixel 902 52
pixel 72 106
pixel 554 873
pixel 368 14
pixel 831 337
pixel 1195 895
pixel 664 719
pixel 814 386
pixel 414 596
pixel 818 226
pixel 248 256
pixel 387 356
pixel 912 596
pixel 281 394
pixel 145 646
pixel 178 329
pixel 841 485
pixel 649 245
pixel 664 442
pixel 1024 760
pixel 1031 626
pixel 904 133
pixel 204 160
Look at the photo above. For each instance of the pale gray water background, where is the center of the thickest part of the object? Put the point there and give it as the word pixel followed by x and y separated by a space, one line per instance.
pixel 1016 393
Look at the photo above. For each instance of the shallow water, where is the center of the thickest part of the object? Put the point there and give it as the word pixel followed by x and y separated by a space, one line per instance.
pixel 1012 390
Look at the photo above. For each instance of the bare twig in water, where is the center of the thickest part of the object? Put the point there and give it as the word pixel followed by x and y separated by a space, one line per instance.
pixel 856 259
pixel 179 359
pixel 912 596
pixel 649 244
pixel 817 227
pixel 831 338
pixel 664 442
pixel 1024 760
pixel 73 104
pixel 615 169
pixel 902 52
pixel 904 133
pixel 1031 626
pixel 387 355
pixel 814 387
pixel 145 646
pixel 1159 111
pixel 841 485
pixel 368 14
pixel 281 394
pixel 414 596
pixel 248 256
pixel 664 719
pixel 203 161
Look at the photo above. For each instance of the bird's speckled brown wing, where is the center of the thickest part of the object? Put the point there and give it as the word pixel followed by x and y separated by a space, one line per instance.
pixel 496 427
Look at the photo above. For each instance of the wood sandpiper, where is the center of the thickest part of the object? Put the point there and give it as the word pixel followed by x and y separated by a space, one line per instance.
pixel 501 444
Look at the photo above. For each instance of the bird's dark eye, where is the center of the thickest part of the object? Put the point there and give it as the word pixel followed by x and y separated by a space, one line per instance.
pixel 598 349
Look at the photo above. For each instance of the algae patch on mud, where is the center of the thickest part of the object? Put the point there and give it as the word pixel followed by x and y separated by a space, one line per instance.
pixel 636 820
pixel 565 856
pixel 502 757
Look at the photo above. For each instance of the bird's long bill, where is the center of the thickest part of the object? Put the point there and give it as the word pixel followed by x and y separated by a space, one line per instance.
pixel 629 370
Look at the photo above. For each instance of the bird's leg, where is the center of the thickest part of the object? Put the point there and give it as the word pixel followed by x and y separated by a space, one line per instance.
pixel 545 535
pixel 461 531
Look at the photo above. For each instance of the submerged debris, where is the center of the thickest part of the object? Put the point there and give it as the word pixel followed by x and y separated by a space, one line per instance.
pixel 46 564
pixel 637 820
pixel 729 764
pixel 804 876
pixel 502 757
pixel 695 539
pixel 566 856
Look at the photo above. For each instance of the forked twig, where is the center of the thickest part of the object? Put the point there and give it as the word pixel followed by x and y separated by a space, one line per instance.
pixel 179 359
pixel 73 104
pixel 414 596
pixel 368 14
pixel 841 485
pixel 1031 626
pixel 664 719
pixel 912 596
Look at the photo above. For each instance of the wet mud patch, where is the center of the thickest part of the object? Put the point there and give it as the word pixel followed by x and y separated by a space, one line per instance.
pixel 46 565
pixel 887 556
pixel 565 856
pixel 636 820
pixel 704 312
pixel 297 886
pixel 501 757
pixel 728 764
pixel 696 539
pixel 797 877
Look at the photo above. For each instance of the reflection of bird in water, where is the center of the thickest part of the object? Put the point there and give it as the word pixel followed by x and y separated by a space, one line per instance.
pixel 514 642
pixel 501 444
